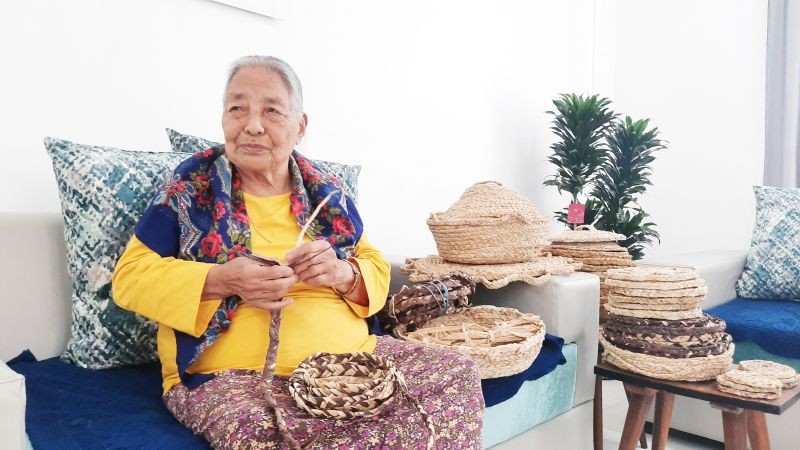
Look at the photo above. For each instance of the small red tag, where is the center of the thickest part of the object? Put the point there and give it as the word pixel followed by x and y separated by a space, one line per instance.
pixel 575 213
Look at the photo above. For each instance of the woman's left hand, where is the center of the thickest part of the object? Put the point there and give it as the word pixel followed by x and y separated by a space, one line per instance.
pixel 316 264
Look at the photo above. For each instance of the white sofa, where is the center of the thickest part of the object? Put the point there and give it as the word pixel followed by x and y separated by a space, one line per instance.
pixel 37 291
pixel 721 269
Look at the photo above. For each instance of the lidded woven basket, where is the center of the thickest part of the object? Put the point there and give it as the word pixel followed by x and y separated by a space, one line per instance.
pixel 489 224
pixel 501 341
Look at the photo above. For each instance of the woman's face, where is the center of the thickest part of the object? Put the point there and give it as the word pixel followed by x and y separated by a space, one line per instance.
pixel 261 129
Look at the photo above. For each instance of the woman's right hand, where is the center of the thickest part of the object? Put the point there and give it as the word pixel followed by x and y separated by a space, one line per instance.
pixel 259 286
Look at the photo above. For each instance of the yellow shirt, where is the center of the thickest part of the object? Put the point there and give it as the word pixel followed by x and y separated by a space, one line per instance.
pixel 167 291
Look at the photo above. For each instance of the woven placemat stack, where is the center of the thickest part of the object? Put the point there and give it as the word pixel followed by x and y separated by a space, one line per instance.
pixel 493 234
pixel 758 379
pixel 596 250
pixel 655 326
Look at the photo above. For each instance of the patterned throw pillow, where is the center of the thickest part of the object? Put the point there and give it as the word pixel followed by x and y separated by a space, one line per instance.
pixel 347 173
pixel 103 192
pixel 772 270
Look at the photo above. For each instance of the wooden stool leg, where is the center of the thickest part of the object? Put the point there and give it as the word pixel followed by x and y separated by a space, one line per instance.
pixel 734 426
pixel 757 430
pixel 597 423
pixel 663 416
pixel 639 402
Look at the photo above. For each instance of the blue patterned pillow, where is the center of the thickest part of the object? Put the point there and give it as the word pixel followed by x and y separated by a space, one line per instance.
pixel 772 270
pixel 103 192
pixel 347 173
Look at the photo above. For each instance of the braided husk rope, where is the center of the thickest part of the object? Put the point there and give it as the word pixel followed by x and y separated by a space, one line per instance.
pixel 677 369
pixel 489 224
pixel 535 272
pixel 501 341
pixel 349 386
pixel 380 370
pixel 415 305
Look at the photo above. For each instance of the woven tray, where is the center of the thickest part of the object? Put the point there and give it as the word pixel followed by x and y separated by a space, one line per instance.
pixel 502 341
pixel 683 369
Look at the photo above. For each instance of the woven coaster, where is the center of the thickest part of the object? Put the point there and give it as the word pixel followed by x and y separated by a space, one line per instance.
pixel 687 301
pixel 781 372
pixel 654 273
pixel 657 285
pixel 690 292
pixel 650 314
pixel 587 233
pixel 750 381
pixel 765 396
pixel 769 368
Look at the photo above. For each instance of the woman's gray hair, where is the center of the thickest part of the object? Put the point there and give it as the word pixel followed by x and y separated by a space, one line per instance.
pixel 280 67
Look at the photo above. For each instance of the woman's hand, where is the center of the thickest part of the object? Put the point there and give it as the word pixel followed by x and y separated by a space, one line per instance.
pixel 316 264
pixel 258 286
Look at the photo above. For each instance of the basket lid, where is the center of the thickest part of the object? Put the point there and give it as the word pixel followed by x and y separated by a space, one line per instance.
pixel 587 233
pixel 489 200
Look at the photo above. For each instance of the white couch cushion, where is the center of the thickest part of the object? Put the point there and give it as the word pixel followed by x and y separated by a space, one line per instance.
pixel 12 409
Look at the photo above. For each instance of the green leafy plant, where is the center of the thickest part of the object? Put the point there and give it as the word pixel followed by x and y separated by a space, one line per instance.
pixel 581 124
pixel 611 156
pixel 622 178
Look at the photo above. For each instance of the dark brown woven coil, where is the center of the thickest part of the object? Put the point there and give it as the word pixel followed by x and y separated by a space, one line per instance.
pixel 349 386
pixel 703 321
pixel 666 328
pixel 670 351
pixel 413 306
pixel 698 340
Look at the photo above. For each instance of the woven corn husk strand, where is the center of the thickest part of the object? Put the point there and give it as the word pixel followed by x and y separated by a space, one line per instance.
pixel 414 305
pixel 272 352
pixel 352 385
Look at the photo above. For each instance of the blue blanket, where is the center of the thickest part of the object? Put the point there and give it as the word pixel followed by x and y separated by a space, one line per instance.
pixel 74 408
pixel 772 324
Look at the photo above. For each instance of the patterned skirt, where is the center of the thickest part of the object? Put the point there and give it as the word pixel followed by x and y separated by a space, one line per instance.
pixel 230 413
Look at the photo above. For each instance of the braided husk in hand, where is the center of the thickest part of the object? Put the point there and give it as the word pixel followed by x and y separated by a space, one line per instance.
pixel 419 303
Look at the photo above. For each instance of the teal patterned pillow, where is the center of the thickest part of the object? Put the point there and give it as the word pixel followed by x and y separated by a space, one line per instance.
pixel 103 192
pixel 772 270
pixel 347 173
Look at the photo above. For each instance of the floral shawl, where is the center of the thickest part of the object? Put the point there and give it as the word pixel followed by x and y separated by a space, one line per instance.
pixel 200 215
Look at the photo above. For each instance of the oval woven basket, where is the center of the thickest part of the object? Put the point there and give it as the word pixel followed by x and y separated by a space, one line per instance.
pixel 489 224
pixel 502 341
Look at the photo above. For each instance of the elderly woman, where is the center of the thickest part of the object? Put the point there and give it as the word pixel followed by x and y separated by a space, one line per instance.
pixel 255 195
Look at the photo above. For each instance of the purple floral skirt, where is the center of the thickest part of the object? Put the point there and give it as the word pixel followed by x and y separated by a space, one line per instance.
pixel 230 413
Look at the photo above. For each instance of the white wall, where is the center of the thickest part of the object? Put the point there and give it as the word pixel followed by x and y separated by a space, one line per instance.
pixel 698 70
pixel 428 96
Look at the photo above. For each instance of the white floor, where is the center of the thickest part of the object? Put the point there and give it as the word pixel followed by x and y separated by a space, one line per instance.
pixel 573 429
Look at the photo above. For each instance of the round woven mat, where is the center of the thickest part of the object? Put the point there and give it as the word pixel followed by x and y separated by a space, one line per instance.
pixel 501 341
pixel 493 276
pixel 684 369
pixel 587 233
pixel 654 273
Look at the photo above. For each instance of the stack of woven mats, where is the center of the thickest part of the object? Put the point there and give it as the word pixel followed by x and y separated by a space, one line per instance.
pixel 656 328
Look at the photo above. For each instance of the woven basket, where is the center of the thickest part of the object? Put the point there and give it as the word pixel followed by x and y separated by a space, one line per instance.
pixel 489 224
pixel 676 369
pixel 502 341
